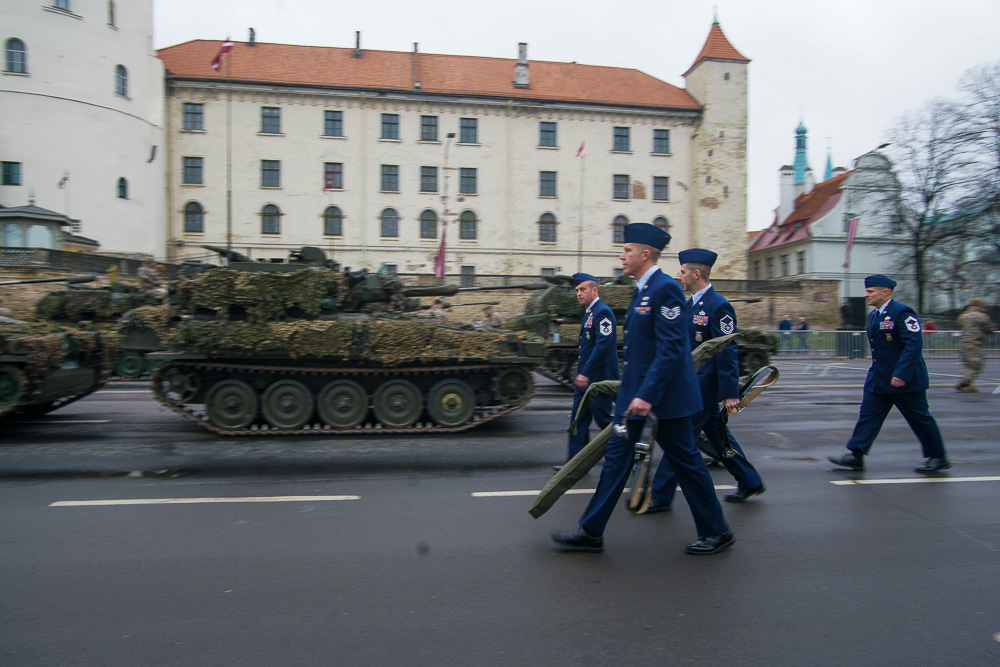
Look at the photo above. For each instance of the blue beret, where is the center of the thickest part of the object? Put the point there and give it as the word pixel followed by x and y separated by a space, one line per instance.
pixel 697 256
pixel 582 278
pixel 878 280
pixel 643 232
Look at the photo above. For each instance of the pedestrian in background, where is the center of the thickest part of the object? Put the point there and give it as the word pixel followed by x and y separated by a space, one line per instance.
pixel 801 327
pixel 785 329
pixel 897 377
pixel 976 326
pixel 597 361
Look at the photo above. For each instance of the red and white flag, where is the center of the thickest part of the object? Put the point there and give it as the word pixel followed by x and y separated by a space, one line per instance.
pixel 226 47
pixel 439 260
pixel 852 230
pixel 64 180
pixel 581 152
pixel 327 185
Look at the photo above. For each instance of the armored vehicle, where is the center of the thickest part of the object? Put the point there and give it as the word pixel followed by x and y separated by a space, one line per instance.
pixel 251 350
pixel 555 314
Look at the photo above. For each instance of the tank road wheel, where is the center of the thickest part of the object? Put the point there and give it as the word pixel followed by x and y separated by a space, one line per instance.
pixel 397 404
pixel 512 384
pixel 451 403
pixel 180 385
pixel 342 404
pixel 12 385
pixel 231 404
pixel 287 404
pixel 130 366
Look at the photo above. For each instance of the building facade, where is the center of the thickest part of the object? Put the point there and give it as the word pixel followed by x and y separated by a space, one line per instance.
pixel 82 101
pixel 525 166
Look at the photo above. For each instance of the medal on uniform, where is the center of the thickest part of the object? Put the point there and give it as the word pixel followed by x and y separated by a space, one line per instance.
pixel 888 336
pixel 697 336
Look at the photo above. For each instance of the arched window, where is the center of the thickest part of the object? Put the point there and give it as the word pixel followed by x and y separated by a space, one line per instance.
pixel 194 217
pixel 547 228
pixel 270 219
pixel 662 223
pixel 17 56
pixel 333 221
pixel 467 224
pixel 390 223
pixel 428 225
pixel 121 80
pixel 122 188
pixel 618 228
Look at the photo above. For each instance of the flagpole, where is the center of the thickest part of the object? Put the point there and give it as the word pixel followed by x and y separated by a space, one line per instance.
pixel 579 227
pixel 229 156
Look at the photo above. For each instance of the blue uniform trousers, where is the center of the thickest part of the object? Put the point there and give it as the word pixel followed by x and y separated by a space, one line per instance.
pixel 674 436
pixel 746 476
pixel 912 405
pixel 599 411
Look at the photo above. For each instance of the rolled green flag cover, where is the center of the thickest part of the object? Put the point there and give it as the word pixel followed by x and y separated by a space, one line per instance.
pixel 587 458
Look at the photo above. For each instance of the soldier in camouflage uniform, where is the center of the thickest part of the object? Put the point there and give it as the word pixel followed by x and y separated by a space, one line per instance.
pixel 976 325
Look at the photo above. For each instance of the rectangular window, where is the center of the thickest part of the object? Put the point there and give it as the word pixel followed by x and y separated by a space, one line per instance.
pixel 428 128
pixel 770 267
pixel 390 178
pixel 468 131
pixel 661 188
pixel 546 184
pixel 428 179
pixel 784 265
pixel 333 176
pixel 467 181
pixel 270 120
pixel 270 173
pixel 390 126
pixel 621 186
pixel 61 4
pixel 192 171
pixel 468 278
pixel 548 271
pixel 621 142
pixel 661 142
pixel 333 123
pixel 547 134
pixel 800 260
pixel 390 268
pixel 194 116
pixel 11 173
pixel 756 269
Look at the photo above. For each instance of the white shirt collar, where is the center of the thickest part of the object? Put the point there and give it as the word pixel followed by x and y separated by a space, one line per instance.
pixel 700 293
pixel 592 303
pixel 641 283
pixel 882 309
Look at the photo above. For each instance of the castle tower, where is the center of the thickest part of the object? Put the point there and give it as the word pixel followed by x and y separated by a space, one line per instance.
pixel 718 81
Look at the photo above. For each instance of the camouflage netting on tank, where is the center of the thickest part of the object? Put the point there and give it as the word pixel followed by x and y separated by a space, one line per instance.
pixel 617 297
pixel 156 318
pixel 264 296
pixel 46 347
pixel 98 305
pixel 534 323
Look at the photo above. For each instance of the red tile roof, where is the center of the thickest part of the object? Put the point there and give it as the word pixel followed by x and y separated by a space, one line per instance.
pixel 333 67
pixel 717 47
pixel 808 208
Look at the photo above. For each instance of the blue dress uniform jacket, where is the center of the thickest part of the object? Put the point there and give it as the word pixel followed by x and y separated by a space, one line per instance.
pixel 896 345
pixel 598 360
pixel 659 370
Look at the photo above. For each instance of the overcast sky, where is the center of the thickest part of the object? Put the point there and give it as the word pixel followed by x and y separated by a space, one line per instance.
pixel 847 68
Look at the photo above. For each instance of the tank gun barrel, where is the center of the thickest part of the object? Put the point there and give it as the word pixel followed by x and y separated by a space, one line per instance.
pixel 452 290
pixel 231 255
pixel 490 288
pixel 748 299
pixel 70 280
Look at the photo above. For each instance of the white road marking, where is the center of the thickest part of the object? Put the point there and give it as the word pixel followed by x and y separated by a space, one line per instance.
pixel 997 390
pixel 510 494
pixel 66 421
pixel 914 480
pixel 198 501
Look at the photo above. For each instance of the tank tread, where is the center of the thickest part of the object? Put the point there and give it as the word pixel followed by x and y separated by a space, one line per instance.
pixel 27 407
pixel 482 414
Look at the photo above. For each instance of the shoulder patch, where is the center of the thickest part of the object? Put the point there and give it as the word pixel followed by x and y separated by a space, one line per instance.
pixel 605 327
pixel 727 324
pixel 670 313
pixel 912 323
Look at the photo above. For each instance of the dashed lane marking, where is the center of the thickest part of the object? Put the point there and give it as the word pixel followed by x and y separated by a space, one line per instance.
pixel 914 480
pixel 198 501
pixel 511 494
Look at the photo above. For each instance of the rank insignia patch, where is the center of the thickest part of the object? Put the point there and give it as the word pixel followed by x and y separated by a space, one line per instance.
pixel 670 313
pixel 727 324
pixel 605 327
pixel 912 323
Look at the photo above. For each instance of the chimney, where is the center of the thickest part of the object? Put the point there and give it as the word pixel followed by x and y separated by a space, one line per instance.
pixel 357 44
pixel 521 68
pixel 415 67
pixel 253 38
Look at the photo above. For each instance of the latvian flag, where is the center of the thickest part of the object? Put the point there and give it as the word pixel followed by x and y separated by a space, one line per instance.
pixel 582 151
pixel 226 47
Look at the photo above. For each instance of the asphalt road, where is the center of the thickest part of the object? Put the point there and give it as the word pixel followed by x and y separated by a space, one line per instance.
pixel 128 536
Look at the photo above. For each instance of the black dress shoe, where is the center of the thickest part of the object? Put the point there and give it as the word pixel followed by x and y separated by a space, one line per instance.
pixel 655 507
pixel 849 460
pixel 578 540
pixel 934 464
pixel 704 546
pixel 742 495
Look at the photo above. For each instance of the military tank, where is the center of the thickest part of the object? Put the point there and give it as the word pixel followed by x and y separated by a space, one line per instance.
pixel 555 315
pixel 45 366
pixel 253 349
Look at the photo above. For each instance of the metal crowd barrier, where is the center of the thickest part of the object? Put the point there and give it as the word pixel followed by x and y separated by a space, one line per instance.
pixel 854 344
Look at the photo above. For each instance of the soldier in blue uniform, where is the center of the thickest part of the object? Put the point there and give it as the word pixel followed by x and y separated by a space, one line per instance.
pixel 659 376
pixel 719 380
pixel 897 376
pixel 598 360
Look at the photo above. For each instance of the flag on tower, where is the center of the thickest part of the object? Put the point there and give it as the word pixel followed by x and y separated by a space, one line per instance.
pixel 439 260
pixel 64 180
pixel 852 230
pixel 226 47
pixel 581 152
